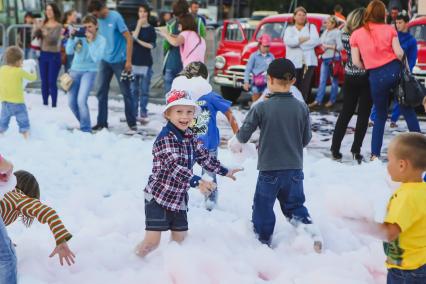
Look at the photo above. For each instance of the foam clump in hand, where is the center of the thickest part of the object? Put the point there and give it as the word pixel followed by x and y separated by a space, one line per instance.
pixel 29 65
pixel 241 151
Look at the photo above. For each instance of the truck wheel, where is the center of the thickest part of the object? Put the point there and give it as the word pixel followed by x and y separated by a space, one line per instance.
pixel 230 94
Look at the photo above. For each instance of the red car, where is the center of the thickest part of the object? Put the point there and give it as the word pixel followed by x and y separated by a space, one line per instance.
pixel 235 49
pixel 418 30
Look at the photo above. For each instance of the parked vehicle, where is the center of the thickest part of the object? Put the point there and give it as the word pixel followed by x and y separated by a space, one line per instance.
pixel 258 16
pixel 235 49
pixel 418 30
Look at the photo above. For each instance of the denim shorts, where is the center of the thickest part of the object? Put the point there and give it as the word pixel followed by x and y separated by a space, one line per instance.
pixel 158 218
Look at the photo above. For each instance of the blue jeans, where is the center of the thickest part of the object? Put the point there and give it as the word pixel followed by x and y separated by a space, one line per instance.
pixel 382 81
pixel 77 97
pixel 50 65
pixel 106 71
pixel 395 112
pixel 399 276
pixel 140 92
pixel 324 75
pixel 287 187
pixel 213 196
pixel 169 76
pixel 19 111
pixel 8 271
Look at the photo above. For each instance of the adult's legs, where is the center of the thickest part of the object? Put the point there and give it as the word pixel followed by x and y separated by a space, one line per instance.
pixel 411 118
pixel 86 85
pixel 135 88
pixel 54 68
pixel 169 76
pixel 307 82
pixel 73 93
pixel 299 78
pixel 44 76
pixel 129 105
pixel 382 80
pixel 334 89
pixel 145 88
pixel 324 74
pixel 350 100
pixel 104 79
pixel 364 109
pixel 8 271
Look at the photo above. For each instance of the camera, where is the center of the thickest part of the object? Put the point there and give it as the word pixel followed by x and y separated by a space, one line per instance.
pixel 80 32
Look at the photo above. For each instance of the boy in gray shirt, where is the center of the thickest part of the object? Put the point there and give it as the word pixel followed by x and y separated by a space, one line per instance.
pixel 284 131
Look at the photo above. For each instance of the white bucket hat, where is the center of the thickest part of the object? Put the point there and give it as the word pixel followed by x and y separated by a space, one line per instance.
pixel 180 98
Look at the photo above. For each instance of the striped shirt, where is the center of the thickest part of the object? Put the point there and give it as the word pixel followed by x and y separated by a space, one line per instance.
pixel 15 203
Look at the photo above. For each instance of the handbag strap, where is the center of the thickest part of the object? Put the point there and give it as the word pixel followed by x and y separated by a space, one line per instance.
pixel 199 42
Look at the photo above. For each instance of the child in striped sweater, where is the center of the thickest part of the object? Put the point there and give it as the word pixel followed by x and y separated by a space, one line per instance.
pixel 23 202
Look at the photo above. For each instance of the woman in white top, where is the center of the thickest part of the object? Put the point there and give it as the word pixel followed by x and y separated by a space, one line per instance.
pixel 300 39
pixel 331 43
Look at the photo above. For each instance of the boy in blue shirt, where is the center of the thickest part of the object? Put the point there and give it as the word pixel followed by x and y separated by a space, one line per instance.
pixel 194 80
pixel 117 61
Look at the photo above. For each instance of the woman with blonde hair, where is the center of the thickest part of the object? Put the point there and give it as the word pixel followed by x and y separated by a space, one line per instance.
pixel 300 39
pixel 356 92
pixel 375 47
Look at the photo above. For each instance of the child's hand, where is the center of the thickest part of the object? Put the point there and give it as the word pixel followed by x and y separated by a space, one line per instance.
pixel 206 187
pixel 64 252
pixel 232 172
pixel 234 145
pixel 6 169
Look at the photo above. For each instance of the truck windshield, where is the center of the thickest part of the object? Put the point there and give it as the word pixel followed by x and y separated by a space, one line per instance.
pixel 419 32
pixel 274 30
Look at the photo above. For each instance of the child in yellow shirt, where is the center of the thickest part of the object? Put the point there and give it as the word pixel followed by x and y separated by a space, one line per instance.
pixel 404 227
pixel 12 92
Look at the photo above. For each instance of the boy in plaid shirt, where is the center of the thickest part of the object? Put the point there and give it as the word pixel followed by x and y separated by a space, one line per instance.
pixel 175 152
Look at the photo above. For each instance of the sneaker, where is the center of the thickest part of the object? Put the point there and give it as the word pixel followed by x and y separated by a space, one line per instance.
pixel 132 130
pixel 336 155
pixel 370 124
pixel 98 127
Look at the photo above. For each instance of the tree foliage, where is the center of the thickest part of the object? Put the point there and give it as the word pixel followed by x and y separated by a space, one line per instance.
pixel 317 6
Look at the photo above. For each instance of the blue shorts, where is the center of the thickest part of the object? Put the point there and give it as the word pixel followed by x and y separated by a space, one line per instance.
pixel 158 218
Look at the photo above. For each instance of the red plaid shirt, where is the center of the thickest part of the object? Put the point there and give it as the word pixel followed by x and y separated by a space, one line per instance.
pixel 175 154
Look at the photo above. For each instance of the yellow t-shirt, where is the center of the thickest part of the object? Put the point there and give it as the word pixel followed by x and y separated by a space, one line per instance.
pixel 11 79
pixel 407 208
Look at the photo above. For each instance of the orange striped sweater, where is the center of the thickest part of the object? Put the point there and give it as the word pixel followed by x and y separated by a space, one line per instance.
pixel 15 203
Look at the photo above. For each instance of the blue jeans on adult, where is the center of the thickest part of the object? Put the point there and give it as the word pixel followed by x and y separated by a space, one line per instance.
pixel 396 112
pixel 50 65
pixel 213 196
pixel 382 81
pixel 324 75
pixel 169 76
pixel 140 92
pixel 8 271
pixel 19 111
pixel 77 97
pixel 287 187
pixel 106 71
pixel 399 276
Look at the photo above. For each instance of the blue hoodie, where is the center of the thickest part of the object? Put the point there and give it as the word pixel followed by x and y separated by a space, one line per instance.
pixel 409 45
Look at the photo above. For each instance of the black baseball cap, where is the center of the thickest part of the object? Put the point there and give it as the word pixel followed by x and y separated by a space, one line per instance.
pixel 282 68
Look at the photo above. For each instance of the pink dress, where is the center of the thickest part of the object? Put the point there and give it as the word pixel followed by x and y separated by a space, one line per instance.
pixel 193 49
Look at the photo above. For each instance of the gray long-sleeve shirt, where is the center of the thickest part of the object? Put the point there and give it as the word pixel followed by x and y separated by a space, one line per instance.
pixel 285 129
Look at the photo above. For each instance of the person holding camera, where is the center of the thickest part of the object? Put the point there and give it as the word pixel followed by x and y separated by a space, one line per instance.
pixel 87 47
